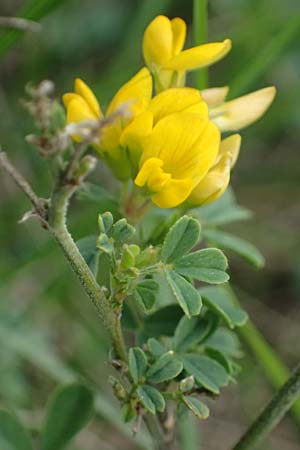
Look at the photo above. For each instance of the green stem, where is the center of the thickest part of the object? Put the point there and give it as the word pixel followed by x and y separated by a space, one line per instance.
pixel 200 37
pixel 275 370
pixel 273 413
pixel 57 221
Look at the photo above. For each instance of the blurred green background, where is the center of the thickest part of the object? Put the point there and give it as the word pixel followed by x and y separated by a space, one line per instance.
pixel 48 330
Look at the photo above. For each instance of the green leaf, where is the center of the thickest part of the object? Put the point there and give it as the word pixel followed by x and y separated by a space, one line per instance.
pixel 151 398
pixel 165 368
pixel 207 372
pixel 191 331
pixel 244 249
pixel 122 231
pixel 12 434
pixel 199 409
pixel 90 253
pixel 186 295
pixel 155 347
pixel 104 244
pixel 221 358
pixel 163 322
pixel 218 300
pixel 146 292
pixel 70 408
pixel 206 265
pixel 180 239
pixel 225 341
pixel 137 362
pixel 105 222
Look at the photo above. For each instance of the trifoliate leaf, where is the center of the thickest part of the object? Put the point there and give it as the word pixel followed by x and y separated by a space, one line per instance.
pixel 218 300
pixel 166 367
pixel 180 239
pixel 151 398
pixel 206 265
pixel 122 231
pixel 198 408
pixel 89 251
pixel 221 358
pixel 12 434
pixel 207 372
pixel 146 292
pixel 244 249
pixel 186 295
pixel 137 363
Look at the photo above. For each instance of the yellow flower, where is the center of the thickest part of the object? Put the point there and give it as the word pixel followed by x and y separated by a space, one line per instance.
pixel 83 105
pixel 240 112
pixel 215 183
pixel 177 155
pixel 171 101
pixel 162 47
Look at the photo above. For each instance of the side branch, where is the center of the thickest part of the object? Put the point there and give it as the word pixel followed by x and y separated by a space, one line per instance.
pixel 272 414
pixel 38 204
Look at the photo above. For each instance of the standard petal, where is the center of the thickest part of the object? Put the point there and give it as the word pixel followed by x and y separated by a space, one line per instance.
pixel 158 42
pixel 176 100
pixel 136 92
pixel 214 96
pixel 243 111
pixel 172 138
pixel 201 56
pixel 179 34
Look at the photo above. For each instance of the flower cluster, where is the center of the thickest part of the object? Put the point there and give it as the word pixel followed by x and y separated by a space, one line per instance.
pixel 170 143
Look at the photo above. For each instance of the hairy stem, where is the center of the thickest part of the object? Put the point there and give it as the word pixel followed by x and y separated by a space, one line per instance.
pixel 272 414
pixel 57 220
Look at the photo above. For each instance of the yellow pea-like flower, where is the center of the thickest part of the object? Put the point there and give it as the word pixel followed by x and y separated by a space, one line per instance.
pixel 216 181
pixel 164 55
pixel 177 155
pixel 82 105
pixel 240 112
pixel 174 100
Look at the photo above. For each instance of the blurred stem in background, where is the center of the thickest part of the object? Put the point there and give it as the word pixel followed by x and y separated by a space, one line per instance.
pixel 272 414
pixel 200 29
pixel 274 369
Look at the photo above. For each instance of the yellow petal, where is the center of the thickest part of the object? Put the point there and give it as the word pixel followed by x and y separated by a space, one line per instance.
pixel 133 135
pixel 79 110
pixel 110 137
pixel 213 184
pixel 68 97
pixel 230 147
pixel 214 96
pixel 136 92
pixel 179 34
pixel 173 194
pixel 186 143
pixel 200 56
pixel 158 42
pixel 243 111
pixel 176 100
pixel 85 92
